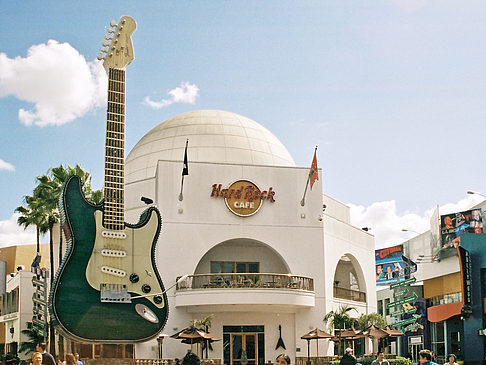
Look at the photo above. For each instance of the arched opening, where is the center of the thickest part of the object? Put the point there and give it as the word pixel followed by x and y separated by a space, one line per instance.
pixel 242 255
pixel 349 280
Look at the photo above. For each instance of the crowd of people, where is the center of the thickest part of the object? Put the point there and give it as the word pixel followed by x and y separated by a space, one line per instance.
pixel 426 357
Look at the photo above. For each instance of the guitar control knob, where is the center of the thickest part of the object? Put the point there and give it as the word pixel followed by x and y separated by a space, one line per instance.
pixel 146 288
pixel 158 299
pixel 134 278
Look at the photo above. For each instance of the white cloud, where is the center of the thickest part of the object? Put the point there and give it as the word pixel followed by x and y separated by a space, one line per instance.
pixel 186 93
pixel 6 166
pixel 387 222
pixel 58 80
pixel 13 234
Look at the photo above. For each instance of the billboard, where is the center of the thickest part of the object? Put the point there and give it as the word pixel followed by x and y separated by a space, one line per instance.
pixel 390 267
pixel 453 225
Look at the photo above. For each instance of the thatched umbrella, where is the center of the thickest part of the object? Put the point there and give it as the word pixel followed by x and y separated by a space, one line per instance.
pixel 192 335
pixel 375 333
pixel 352 334
pixel 315 334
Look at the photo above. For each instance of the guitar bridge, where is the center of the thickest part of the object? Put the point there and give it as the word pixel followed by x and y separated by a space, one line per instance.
pixel 114 293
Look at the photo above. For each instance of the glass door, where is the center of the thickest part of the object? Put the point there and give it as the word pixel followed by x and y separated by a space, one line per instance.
pixel 244 349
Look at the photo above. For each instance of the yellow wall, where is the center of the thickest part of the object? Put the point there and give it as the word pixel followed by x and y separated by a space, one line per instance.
pixel 442 285
pixel 15 256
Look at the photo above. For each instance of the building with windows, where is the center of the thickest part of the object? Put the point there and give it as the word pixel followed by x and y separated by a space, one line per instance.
pixel 447 319
pixel 257 256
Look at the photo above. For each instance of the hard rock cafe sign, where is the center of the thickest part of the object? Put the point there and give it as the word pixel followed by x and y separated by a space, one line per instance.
pixel 243 197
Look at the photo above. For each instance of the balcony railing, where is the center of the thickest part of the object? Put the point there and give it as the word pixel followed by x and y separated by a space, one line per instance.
pixel 246 280
pixel 349 294
pixel 446 299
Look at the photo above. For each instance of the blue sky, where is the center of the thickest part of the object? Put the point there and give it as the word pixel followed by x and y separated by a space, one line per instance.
pixel 392 91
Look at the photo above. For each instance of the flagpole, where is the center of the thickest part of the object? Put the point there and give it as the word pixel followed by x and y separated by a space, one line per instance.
pixel 180 194
pixel 302 202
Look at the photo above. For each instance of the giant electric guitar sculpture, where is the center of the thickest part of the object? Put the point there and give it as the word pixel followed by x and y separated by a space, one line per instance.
pixel 109 264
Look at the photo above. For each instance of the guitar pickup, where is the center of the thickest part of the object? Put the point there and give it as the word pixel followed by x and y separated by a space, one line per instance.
pixel 114 293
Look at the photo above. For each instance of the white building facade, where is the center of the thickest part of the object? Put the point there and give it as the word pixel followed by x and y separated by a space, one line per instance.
pixel 256 257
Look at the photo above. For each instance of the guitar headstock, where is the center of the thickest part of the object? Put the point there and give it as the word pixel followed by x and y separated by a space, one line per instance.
pixel 118 42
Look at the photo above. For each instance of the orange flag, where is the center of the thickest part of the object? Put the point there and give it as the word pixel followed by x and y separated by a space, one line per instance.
pixel 313 173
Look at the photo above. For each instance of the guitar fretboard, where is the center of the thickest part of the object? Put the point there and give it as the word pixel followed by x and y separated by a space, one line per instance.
pixel 113 217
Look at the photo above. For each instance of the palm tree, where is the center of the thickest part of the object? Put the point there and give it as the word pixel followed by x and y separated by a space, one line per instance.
pixel 339 320
pixel 35 336
pixel 48 190
pixel 366 320
pixel 33 215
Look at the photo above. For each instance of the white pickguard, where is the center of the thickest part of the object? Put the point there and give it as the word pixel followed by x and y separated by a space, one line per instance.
pixel 138 247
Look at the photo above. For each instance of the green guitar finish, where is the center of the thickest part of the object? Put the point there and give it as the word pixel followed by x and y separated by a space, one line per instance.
pixel 74 305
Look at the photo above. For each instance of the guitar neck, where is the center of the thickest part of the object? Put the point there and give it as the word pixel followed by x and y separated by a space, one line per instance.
pixel 113 217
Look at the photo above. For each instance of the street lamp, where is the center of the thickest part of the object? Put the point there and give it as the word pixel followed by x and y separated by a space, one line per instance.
pixel 410 230
pixel 476 193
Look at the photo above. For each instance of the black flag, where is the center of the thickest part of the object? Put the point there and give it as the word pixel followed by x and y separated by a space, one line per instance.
pixel 185 167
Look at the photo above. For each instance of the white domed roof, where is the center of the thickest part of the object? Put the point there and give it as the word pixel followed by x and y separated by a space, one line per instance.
pixel 214 136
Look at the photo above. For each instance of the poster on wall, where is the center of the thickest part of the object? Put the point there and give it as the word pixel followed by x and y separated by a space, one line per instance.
pixel 390 267
pixel 453 225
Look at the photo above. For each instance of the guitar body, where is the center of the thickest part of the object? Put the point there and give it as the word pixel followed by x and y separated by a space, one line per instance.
pixel 120 261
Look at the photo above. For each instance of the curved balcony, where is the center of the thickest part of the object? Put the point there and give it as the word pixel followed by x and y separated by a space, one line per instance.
pixel 254 289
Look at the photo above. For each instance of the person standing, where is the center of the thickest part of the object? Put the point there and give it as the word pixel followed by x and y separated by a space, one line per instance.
pixel 380 360
pixel 452 360
pixel 425 357
pixel 47 358
pixel 348 358
pixel 79 362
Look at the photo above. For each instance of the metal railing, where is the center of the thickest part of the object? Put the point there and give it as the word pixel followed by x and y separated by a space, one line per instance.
pixel 349 294
pixel 246 280
pixel 446 298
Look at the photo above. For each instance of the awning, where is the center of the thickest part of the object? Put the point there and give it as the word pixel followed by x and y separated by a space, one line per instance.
pixel 439 313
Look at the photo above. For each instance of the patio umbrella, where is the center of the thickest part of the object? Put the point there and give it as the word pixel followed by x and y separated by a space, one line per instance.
pixel 375 333
pixel 315 334
pixel 392 332
pixel 192 335
pixel 351 334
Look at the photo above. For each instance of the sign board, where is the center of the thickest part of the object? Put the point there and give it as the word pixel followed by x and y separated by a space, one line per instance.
pixel 243 197
pixel 416 340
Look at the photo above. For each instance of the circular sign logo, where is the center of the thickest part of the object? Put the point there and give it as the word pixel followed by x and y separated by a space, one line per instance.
pixel 243 198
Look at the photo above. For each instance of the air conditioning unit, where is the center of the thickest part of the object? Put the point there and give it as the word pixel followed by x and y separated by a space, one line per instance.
pixel 482 332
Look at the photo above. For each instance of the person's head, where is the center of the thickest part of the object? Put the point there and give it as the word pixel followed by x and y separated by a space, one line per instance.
pixel 190 359
pixel 36 358
pixel 41 347
pixel 349 350
pixel 282 359
pixel 380 356
pixel 379 269
pixel 76 355
pixel 389 268
pixel 70 359
pixel 451 358
pixel 425 356
pixel 447 221
pixel 476 216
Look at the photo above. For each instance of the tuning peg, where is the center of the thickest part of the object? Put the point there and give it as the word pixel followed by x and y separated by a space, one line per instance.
pixel 108 37
pixel 100 57
pixel 105 43
pixel 103 50
pixel 111 30
pixel 112 23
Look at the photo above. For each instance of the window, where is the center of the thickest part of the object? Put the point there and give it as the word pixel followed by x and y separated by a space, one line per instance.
pixel 353 282
pixel 380 307
pixel 234 267
pixel 387 310
pixel 438 342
